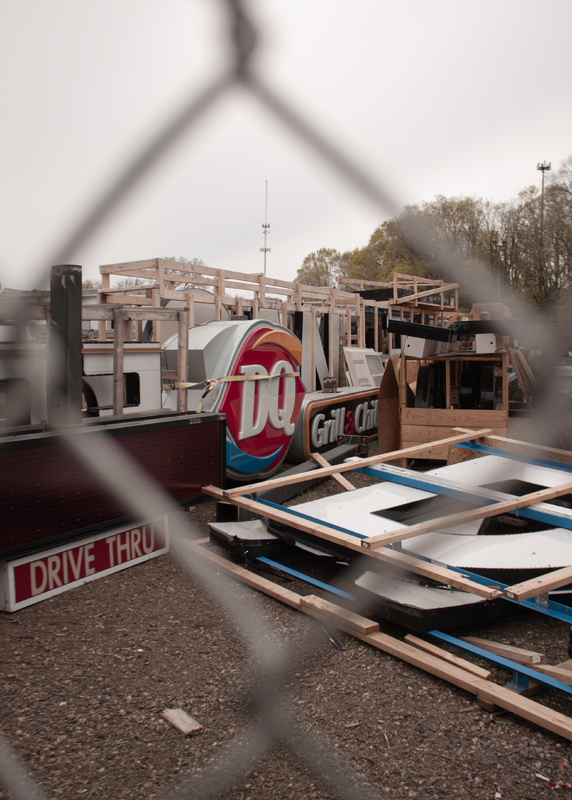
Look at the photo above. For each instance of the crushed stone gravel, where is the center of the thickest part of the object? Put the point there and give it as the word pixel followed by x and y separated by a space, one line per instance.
pixel 85 676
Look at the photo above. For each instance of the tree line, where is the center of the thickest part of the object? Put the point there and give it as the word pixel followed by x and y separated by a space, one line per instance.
pixel 525 244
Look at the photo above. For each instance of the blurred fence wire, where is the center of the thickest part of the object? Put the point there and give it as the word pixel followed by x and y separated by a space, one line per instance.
pixel 274 721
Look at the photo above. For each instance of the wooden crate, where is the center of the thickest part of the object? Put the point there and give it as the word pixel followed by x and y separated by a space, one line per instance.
pixel 424 425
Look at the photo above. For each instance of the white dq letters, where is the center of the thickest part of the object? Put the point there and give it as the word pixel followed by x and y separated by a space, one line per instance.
pixel 263 396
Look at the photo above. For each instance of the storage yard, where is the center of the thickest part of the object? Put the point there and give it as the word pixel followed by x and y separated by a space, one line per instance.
pixel 154 681
pixel 86 676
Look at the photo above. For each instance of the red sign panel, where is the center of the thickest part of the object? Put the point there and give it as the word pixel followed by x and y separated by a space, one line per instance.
pixel 261 410
pixel 44 575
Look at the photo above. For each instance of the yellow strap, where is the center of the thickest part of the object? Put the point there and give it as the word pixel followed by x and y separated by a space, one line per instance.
pixel 210 383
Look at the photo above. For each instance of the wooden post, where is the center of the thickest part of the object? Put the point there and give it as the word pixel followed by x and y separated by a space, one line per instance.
pixel 313 349
pixel 160 275
pixel 219 294
pixel 262 288
pixel 118 316
pixel 182 359
pixel 102 324
pixel 504 375
pixel 156 299
pixel 331 332
pixel 190 310
pixel 447 383
pixel 402 400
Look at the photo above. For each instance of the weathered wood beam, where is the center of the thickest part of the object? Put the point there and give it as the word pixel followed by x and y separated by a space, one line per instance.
pixel 484 512
pixel 408 452
pixel 343 482
pixel 539 585
pixel 524 448
pixel 387 555
pixel 435 664
pixel 427 293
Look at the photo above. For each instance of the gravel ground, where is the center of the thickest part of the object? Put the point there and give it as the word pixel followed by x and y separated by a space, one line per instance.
pixel 86 675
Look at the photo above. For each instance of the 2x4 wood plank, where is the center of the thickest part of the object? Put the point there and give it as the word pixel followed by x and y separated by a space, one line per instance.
pixel 326 472
pixel 492 510
pixel 485 674
pixel 441 667
pixel 518 654
pixel 539 585
pixel 387 555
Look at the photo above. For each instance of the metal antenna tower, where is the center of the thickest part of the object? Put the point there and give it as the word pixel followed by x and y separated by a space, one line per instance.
pixel 265 229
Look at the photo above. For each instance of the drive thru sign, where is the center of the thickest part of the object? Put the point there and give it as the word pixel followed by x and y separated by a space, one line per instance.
pixel 36 577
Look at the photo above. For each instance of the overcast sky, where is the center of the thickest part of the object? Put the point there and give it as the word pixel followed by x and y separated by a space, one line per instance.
pixel 453 97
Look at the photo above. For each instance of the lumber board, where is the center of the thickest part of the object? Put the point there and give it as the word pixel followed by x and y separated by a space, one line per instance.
pixel 149 313
pixel 539 585
pixel 112 269
pixel 557 672
pixel 180 720
pixel 153 314
pixel 518 654
pixel 524 448
pixel 484 512
pixel 437 453
pixel 521 378
pixel 242 574
pixel 485 674
pixel 386 554
pixel 326 472
pixel 412 434
pixel 490 692
pixel 454 417
pixel 343 482
pixel 526 368
pixel 337 614
pixel 427 293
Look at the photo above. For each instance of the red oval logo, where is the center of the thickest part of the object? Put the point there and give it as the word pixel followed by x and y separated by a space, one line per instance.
pixel 262 407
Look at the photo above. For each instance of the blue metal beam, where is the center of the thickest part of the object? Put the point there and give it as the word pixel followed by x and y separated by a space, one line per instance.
pixel 516 669
pixel 549 608
pixel 295 513
pixel 301 576
pixel 467 493
pixel 496 451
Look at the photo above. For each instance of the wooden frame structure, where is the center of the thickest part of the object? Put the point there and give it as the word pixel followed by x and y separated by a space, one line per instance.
pixel 241 293
pixel 409 299
pixel 376 546
pixel 421 654
pixel 415 651
pixel 28 307
pixel 431 424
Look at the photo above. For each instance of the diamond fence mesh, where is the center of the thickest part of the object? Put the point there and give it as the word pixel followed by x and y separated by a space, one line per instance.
pixel 273 717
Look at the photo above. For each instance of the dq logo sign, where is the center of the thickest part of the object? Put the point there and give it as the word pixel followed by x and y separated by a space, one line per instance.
pixel 262 405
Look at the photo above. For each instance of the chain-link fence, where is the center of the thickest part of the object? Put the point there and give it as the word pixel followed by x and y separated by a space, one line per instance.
pixel 275 720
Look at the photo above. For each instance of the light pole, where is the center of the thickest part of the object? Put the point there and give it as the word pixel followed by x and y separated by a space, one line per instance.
pixel 494 253
pixel 544 167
